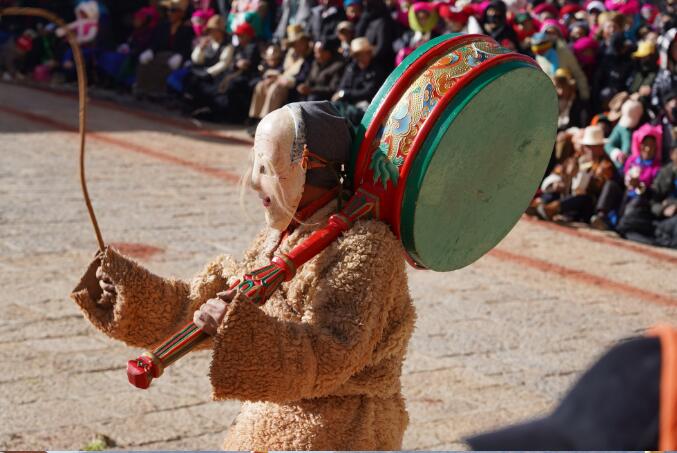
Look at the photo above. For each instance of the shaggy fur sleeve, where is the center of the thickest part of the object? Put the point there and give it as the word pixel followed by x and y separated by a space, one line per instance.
pixel 148 308
pixel 261 357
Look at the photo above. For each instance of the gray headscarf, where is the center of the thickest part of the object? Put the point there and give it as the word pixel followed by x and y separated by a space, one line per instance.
pixel 320 127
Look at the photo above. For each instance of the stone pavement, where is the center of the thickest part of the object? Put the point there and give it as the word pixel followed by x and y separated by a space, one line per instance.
pixel 495 342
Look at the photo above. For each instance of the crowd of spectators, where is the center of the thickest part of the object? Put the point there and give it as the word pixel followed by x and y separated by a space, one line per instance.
pixel 612 63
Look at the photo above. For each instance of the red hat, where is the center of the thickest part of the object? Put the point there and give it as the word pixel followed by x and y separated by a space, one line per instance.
pixel 245 28
pixel 453 14
pixel 570 8
pixel 546 7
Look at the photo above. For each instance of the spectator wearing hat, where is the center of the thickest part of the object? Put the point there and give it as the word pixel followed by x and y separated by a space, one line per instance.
pixel 577 30
pixel 325 72
pixel 552 54
pixel 324 19
pixel 423 20
pixel 525 27
pixel 495 24
pixel 293 12
pixel 645 70
pixel 211 58
pixel 545 11
pixel 170 47
pixel 345 31
pixel 233 90
pixel 379 28
pixel 585 177
pixel 618 146
pixel 586 50
pixel 641 168
pixel 572 111
pixel 362 79
pixel 273 91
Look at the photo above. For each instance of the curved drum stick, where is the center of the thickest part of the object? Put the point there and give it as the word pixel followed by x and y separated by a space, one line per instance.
pixel 82 98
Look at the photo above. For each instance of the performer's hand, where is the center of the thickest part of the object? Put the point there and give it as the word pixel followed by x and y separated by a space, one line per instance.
pixel 109 293
pixel 210 315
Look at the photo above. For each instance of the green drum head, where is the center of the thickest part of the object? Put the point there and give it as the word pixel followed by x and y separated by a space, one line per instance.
pixel 491 146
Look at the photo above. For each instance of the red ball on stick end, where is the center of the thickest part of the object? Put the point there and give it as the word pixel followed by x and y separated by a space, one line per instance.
pixel 139 372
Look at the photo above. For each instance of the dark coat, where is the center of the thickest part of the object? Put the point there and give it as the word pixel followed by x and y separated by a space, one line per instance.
pixel 379 28
pixel 180 42
pixel 664 189
pixel 324 80
pixel 323 22
pixel 361 84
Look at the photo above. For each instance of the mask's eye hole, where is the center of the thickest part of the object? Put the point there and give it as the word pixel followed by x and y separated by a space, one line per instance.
pixel 262 169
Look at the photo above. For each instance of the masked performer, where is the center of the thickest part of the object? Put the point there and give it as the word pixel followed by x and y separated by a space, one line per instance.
pixel 318 366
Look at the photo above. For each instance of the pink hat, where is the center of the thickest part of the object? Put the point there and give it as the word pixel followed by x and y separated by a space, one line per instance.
pixel 546 7
pixel 552 23
pixel 625 7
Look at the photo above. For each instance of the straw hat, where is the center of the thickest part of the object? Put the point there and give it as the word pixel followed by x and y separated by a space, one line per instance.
pixel 216 23
pixel 564 74
pixel 358 45
pixel 345 25
pixel 593 136
pixel 644 49
pixel 296 32
pixel 615 105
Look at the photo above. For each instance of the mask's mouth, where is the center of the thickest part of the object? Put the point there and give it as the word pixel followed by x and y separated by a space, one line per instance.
pixel 266 201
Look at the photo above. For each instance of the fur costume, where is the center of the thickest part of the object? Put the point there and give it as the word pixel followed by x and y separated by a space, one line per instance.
pixel 317 367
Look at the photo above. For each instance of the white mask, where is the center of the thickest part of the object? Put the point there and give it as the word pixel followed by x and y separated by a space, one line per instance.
pixel 277 180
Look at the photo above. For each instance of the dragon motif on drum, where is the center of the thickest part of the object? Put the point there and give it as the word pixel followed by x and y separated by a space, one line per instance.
pixel 396 135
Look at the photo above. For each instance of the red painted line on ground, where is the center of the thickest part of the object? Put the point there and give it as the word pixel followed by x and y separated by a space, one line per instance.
pixel 168 121
pixel 620 243
pixel 584 277
pixel 128 146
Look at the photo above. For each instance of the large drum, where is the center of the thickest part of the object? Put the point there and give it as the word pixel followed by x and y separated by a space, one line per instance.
pixel 459 137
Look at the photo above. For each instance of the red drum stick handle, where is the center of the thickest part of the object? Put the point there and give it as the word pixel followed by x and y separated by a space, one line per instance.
pixel 257 287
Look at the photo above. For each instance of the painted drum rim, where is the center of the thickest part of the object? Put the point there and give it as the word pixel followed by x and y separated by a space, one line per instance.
pixel 396 198
pixel 422 161
pixel 393 88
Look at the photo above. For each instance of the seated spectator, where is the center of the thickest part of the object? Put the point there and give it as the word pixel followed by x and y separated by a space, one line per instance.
pixel 423 20
pixel 273 91
pixel 85 28
pixel 324 19
pixel 13 53
pixel 118 67
pixel 232 90
pixel 170 48
pixel 572 111
pixel 345 31
pixel 640 170
pixel 325 72
pixel 664 203
pixel 211 58
pixel 362 79
pixel 618 146
pixel 552 53
pixel 584 177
